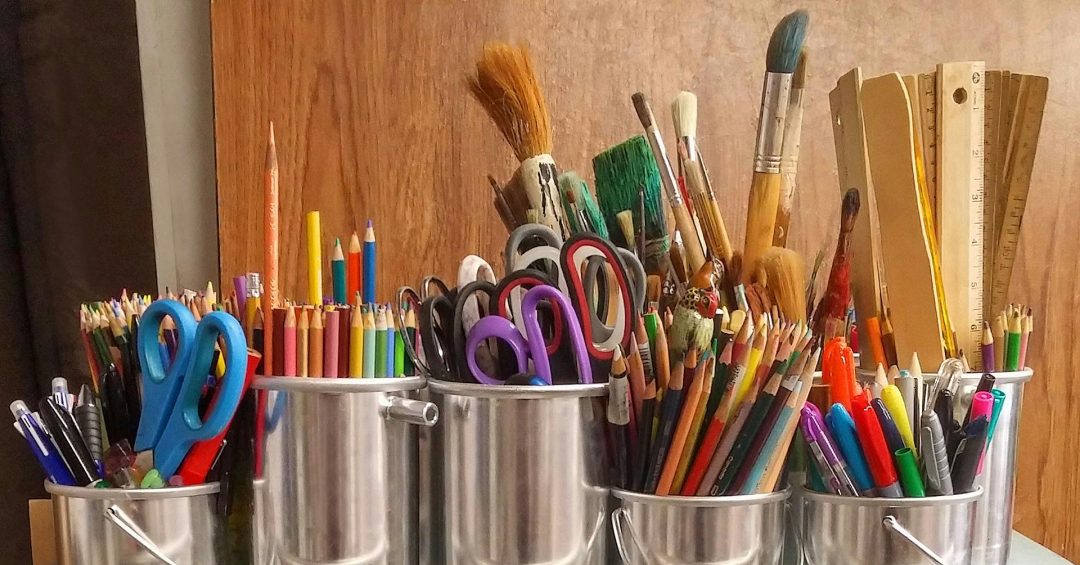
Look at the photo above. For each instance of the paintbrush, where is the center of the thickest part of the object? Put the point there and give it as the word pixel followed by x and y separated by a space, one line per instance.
pixel 505 84
pixel 833 309
pixel 621 172
pixel 580 207
pixel 780 63
pixel 708 211
pixel 683 221
pixel 786 281
pixel 789 152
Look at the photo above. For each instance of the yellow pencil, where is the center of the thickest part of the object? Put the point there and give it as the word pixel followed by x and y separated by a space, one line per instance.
pixel 757 350
pixel 314 253
pixel 356 344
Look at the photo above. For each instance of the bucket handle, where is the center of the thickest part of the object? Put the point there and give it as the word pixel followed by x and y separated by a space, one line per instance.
pixel 120 518
pixel 893 526
pixel 416 412
pixel 618 517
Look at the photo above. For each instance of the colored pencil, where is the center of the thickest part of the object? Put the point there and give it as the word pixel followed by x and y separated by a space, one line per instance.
pixel 315 343
pixel 314 257
pixel 352 268
pixel 369 264
pixel 669 415
pixel 271 251
pixel 369 342
pixel 391 343
pixel 332 341
pixel 356 344
pixel 686 419
pixel 289 350
pixel 337 274
pixel 380 342
pixel 303 333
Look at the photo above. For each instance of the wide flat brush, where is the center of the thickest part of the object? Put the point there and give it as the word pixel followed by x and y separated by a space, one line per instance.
pixel 505 84
pixel 622 172
pixel 780 63
pixel 789 152
pixel 683 221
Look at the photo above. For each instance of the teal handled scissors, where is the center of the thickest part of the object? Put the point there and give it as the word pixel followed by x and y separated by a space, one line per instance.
pixel 170 423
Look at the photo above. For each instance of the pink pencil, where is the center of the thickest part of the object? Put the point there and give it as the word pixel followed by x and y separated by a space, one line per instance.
pixel 331 343
pixel 289 338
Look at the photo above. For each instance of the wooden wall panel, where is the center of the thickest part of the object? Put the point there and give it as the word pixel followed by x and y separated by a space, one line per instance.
pixel 373 120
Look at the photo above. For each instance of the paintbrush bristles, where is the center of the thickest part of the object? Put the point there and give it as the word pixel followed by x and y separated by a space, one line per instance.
pixel 684 114
pixel 798 80
pixel 505 84
pixel 785 277
pixel 786 42
pixel 619 172
pixel 644 111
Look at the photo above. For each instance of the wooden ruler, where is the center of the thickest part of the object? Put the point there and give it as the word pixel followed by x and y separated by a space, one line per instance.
pixel 928 97
pixel 1023 140
pixel 992 155
pixel 854 172
pixel 906 257
pixel 960 199
pixel 1005 119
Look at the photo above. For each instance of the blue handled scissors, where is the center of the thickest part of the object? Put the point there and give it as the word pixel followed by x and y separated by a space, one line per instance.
pixel 170 422
pixel 531 345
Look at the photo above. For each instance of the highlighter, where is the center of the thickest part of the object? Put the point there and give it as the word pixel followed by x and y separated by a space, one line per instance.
pixel 897 405
pixel 842 427
pixel 877 451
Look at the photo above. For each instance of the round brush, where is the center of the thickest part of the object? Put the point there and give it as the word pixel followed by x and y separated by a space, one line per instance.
pixel 505 84
pixel 780 63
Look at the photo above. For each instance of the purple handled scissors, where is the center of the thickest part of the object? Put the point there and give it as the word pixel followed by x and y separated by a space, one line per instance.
pixel 531 345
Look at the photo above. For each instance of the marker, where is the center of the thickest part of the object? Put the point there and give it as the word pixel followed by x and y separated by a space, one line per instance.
pixel 842 426
pixel 830 463
pixel 966 464
pixel 877 451
pixel 889 430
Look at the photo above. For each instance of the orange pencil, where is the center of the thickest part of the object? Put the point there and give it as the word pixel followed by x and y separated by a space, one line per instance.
pixel 270 244
pixel 686 417
pixel 315 343
pixel 877 347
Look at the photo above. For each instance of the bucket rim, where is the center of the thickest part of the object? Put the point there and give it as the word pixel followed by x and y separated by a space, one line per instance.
pixel 342 385
pixel 119 494
pixel 519 392
pixel 703 501
pixel 950 500
pixel 1000 377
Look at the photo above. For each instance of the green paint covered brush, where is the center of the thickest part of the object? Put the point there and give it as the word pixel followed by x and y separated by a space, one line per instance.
pixel 621 172
pixel 582 213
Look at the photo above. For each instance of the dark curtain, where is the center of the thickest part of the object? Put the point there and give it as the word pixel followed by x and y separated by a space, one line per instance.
pixel 75 221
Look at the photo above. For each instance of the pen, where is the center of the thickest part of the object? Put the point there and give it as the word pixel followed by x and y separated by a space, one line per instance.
pixel 65 434
pixel 966 463
pixel 40 446
pixel 935 455
pixel 842 426
pixel 86 416
pixel 944 409
pixel 877 451
pixel 60 393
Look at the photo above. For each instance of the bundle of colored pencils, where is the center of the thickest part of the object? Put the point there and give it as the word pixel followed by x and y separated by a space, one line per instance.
pixel 720 420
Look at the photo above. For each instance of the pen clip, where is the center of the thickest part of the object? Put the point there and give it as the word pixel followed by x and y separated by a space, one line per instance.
pixel 892 525
pixel 120 518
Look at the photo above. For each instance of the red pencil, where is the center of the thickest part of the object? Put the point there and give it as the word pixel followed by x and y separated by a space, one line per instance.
pixel 352 267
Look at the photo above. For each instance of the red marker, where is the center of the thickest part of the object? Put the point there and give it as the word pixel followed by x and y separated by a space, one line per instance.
pixel 202 455
pixel 873 443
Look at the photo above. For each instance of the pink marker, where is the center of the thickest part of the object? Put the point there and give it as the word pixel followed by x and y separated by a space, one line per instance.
pixel 982 404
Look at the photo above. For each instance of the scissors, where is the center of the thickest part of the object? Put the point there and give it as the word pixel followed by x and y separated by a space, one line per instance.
pixel 170 422
pixel 531 346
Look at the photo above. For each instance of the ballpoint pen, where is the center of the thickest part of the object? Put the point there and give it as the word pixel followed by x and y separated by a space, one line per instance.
pixel 842 426
pixel 935 455
pixel 69 443
pixel 86 416
pixel 40 446
pixel 60 393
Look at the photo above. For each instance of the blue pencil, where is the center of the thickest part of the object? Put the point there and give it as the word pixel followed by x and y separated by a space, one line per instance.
pixel 369 264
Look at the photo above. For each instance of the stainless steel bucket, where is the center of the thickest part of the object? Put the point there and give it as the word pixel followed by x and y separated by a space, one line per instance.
pixel 516 475
pixel 699 530
pixel 340 470
pixel 848 530
pixel 994 512
pixel 137 526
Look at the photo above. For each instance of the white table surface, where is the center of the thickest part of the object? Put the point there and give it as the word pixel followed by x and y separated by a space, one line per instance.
pixel 1025 551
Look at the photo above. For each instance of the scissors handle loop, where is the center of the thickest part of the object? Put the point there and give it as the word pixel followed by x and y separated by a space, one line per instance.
pixel 161 384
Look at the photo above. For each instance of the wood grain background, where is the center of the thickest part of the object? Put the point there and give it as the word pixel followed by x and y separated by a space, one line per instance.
pixel 373 121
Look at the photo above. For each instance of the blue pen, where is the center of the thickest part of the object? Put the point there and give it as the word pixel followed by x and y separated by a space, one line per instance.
pixel 40 445
pixel 842 427
pixel 369 264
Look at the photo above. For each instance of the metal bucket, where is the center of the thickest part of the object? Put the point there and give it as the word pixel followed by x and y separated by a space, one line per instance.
pixel 516 475
pixel 340 470
pixel 848 530
pixel 699 530
pixel 994 512
pixel 137 526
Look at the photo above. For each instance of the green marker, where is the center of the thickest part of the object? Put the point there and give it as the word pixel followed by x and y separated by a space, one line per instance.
pixel 908 471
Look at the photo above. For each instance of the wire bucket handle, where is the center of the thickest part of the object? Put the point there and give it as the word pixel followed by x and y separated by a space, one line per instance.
pixel 121 520
pixel 619 517
pixel 892 525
